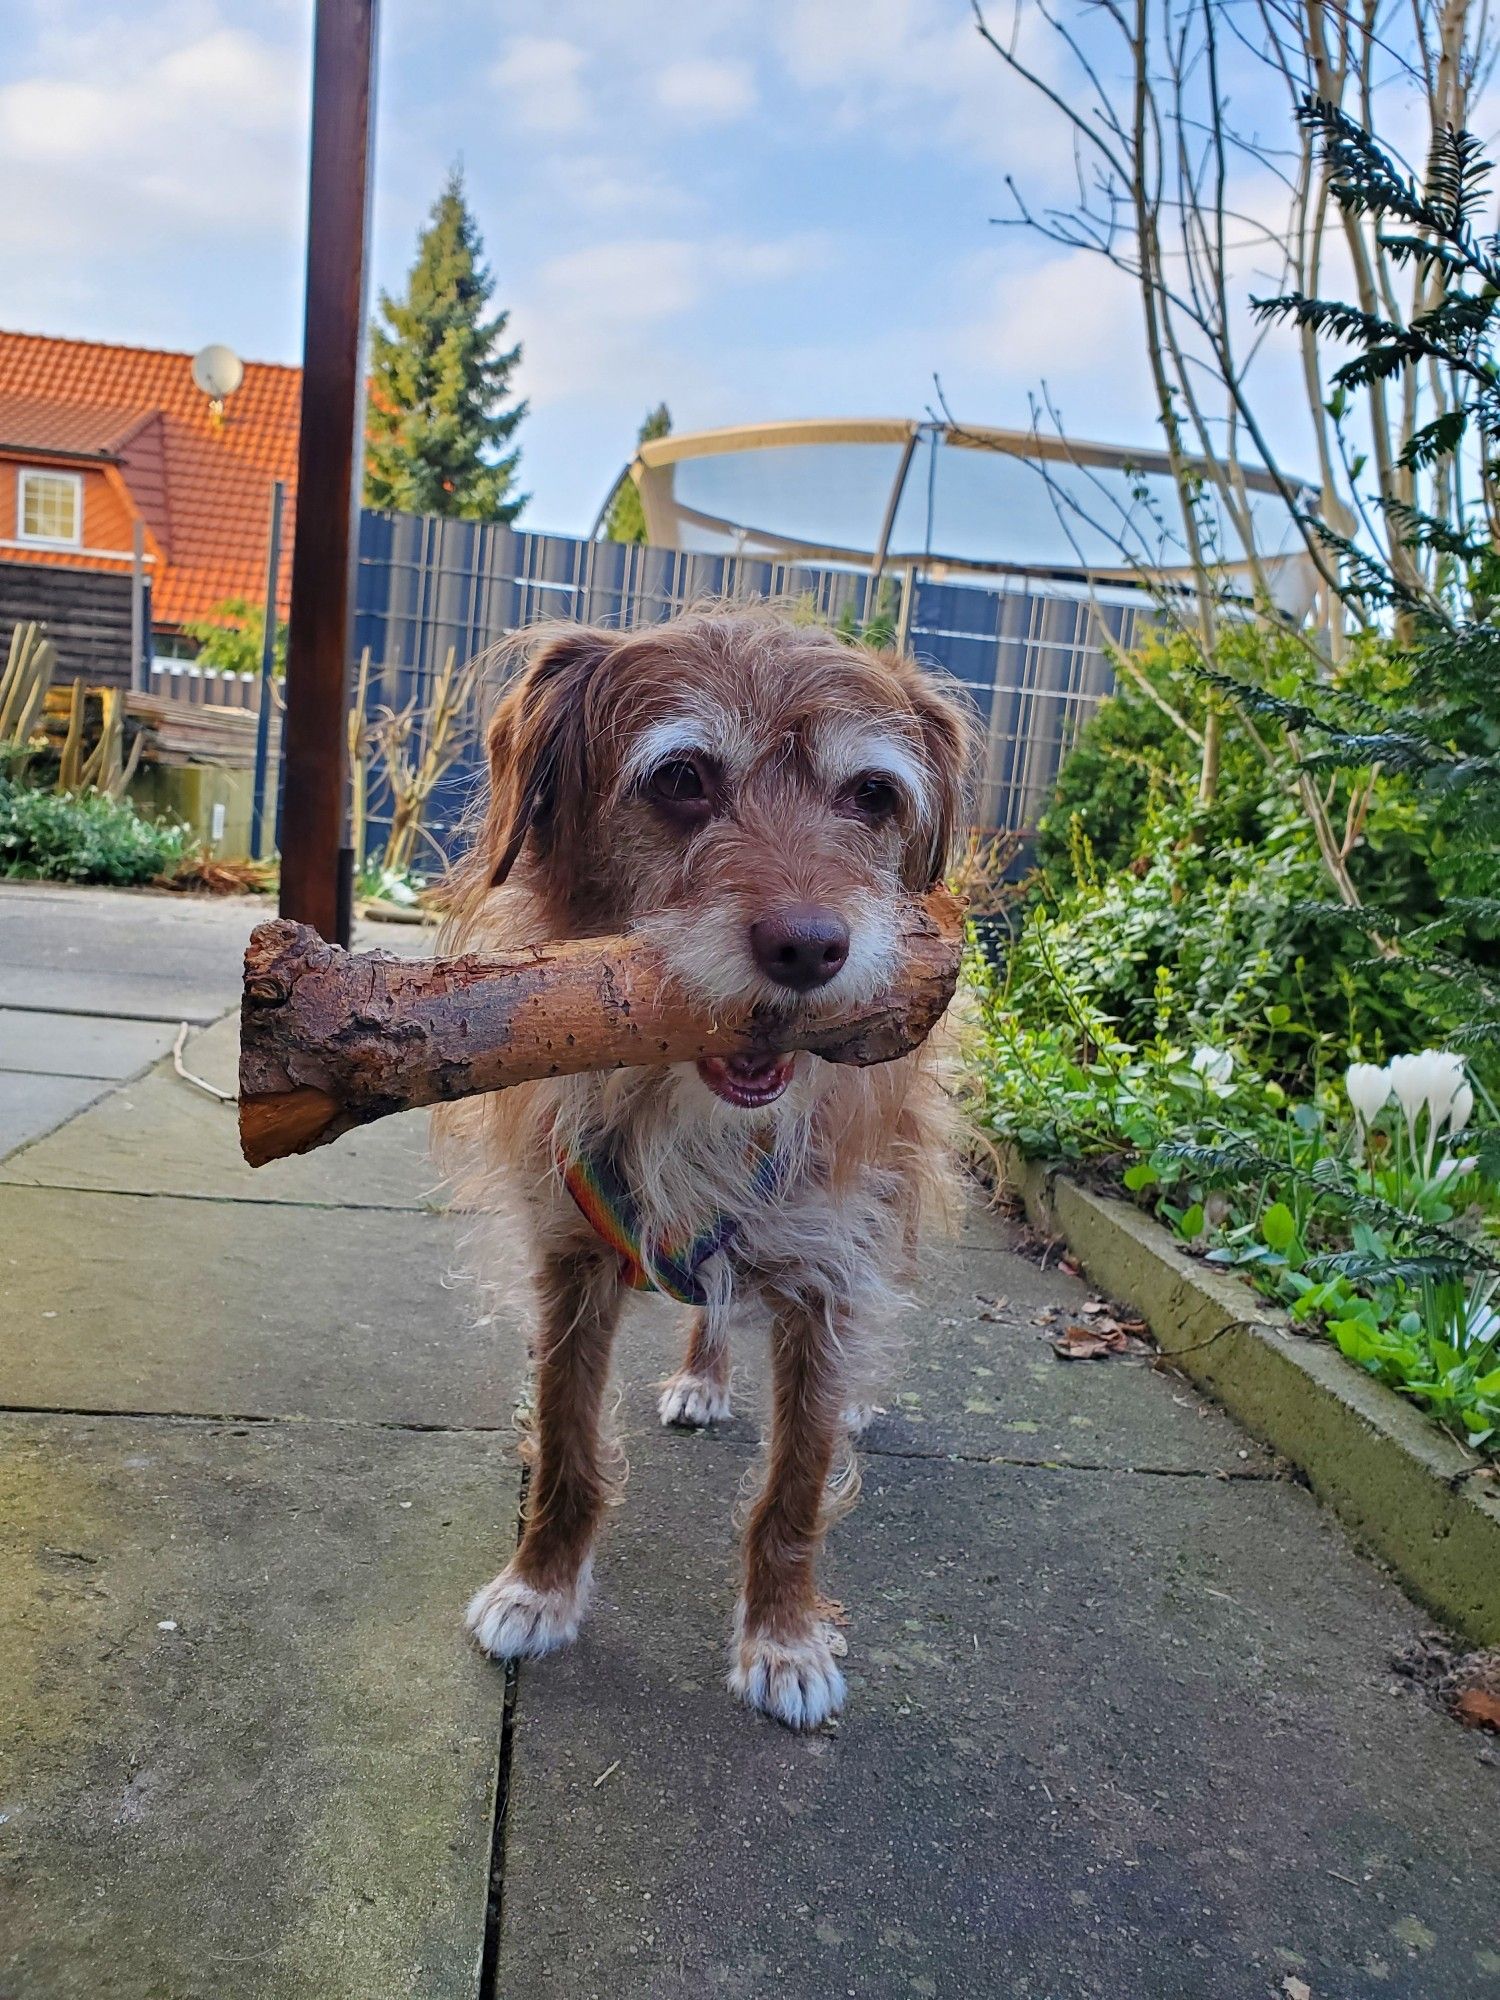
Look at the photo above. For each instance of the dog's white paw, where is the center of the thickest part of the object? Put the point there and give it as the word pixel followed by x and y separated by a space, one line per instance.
pixel 793 1681
pixel 513 1620
pixel 690 1402
pixel 858 1417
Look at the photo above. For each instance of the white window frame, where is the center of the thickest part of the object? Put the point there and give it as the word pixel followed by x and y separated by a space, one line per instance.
pixel 24 476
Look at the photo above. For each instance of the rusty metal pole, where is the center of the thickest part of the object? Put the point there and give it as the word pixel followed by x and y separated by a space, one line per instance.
pixel 329 466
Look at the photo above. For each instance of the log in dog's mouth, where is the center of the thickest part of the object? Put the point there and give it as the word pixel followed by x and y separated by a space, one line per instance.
pixel 748 1082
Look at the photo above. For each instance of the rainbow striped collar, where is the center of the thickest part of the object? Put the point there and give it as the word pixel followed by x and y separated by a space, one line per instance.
pixel 673 1262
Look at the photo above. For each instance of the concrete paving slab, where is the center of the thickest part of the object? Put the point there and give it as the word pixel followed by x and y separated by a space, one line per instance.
pixel 80 1044
pixel 1109 1734
pixel 978 1376
pixel 142 954
pixel 124 1302
pixel 972 1374
pixel 255 1757
pixel 161 1135
pixel 31 1106
pixel 133 954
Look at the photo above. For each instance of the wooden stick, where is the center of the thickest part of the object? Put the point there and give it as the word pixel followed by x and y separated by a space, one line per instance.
pixel 331 1039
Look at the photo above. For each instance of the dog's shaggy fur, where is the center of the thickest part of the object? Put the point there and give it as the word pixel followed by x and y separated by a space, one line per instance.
pixel 690 781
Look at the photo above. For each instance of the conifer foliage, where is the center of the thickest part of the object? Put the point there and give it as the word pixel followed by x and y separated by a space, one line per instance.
pixel 438 433
pixel 627 518
pixel 1437 724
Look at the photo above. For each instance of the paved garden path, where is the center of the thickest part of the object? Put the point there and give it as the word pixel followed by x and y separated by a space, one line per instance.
pixel 94 984
pixel 1122 1721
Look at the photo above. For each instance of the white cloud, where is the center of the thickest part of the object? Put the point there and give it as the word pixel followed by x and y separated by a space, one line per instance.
pixel 700 91
pixel 119 143
pixel 916 72
pixel 640 280
pixel 608 188
pixel 540 78
pixel 597 314
pixel 1056 320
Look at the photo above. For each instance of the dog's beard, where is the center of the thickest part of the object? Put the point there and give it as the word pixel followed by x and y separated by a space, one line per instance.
pixel 708 953
pixel 685 1155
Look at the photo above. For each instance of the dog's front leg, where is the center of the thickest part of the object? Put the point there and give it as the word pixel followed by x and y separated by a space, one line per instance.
pixel 538 1599
pixel 783 1651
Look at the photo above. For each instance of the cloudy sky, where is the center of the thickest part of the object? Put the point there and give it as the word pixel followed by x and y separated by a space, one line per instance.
pixel 749 208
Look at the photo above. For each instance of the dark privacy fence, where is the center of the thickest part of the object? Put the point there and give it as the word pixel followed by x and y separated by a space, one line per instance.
pixel 1032 662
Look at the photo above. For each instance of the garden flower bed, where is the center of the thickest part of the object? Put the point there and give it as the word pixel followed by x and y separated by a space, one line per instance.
pixel 1359 1208
pixel 1409 1492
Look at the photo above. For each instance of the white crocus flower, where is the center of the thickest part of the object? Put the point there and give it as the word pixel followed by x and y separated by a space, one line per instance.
pixel 1215 1065
pixel 1462 1108
pixel 1369 1088
pixel 1409 1087
pixel 1447 1167
pixel 1430 1081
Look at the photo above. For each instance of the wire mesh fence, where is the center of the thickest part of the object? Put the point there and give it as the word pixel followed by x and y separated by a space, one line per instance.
pixel 1034 662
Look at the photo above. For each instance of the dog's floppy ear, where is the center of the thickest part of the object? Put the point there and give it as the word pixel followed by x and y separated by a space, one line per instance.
pixel 538 747
pixel 950 740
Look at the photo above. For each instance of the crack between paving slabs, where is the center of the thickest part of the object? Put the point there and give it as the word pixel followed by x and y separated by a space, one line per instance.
pixel 494 1906
pixel 937 1456
pixel 227 1200
pixel 286 1420
pixel 934 1457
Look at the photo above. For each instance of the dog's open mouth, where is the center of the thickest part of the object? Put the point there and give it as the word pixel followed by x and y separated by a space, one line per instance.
pixel 747 1081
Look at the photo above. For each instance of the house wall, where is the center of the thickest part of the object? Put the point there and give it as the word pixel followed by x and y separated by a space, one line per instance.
pixel 86 614
pixel 108 523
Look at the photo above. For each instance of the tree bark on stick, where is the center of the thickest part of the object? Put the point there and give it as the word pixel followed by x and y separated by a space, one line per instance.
pixel 331 1039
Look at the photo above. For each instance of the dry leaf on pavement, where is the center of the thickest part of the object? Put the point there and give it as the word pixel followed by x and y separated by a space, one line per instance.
pixel 1477 1708
pixel 1097 1341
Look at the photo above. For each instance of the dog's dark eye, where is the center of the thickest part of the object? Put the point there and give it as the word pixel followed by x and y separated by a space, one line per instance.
pixel 872 797
pixel 679 787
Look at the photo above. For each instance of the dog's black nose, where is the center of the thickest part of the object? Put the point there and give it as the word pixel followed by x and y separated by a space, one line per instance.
pixel 802 946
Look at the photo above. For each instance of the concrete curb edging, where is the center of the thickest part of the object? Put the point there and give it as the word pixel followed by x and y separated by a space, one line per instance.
pixel 1404 1489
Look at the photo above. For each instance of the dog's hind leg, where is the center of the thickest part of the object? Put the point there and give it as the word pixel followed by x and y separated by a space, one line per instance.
pixel 698 1394
pixel 538 1599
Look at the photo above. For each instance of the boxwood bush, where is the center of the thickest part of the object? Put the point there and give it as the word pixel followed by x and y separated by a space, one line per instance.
pixel 63 837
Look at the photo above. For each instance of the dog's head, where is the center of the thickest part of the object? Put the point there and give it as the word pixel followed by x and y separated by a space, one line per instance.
pixel 759 794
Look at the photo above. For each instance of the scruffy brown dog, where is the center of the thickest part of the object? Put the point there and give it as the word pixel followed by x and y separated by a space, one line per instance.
pixel 758 796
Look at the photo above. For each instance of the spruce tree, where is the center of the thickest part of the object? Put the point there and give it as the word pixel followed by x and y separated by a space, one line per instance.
pixel 437 427
pixel 626 521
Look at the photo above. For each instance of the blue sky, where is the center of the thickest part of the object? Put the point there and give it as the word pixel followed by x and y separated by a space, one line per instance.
pixel 750 208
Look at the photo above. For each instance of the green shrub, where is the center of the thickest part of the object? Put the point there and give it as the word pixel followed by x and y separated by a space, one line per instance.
pixel 1131 760
pixel 232 637
pixel 1193 976
pixel 1222 944
pixel 62 837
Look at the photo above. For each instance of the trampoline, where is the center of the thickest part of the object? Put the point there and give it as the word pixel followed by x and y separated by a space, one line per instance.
pixel 956 503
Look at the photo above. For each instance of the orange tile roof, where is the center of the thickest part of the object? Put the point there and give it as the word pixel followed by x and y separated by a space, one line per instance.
pixel 70 430
pixel 201 484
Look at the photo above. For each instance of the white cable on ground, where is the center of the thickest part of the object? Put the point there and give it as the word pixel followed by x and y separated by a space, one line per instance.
pixel 224 1096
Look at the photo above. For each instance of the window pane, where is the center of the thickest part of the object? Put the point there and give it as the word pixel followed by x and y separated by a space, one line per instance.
pixel 49 507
